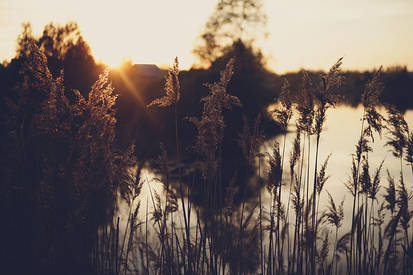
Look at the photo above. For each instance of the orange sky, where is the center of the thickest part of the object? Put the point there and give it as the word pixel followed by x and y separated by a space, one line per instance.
pixel 302 34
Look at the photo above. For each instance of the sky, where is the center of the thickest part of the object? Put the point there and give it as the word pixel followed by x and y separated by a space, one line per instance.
pixel 309 34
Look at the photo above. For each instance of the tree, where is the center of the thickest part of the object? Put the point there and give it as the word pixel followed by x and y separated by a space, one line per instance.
pixel 64 48
pixel 231 21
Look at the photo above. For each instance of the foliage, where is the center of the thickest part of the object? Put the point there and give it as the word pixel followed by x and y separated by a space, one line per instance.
pixel 231 21
pixel 61 169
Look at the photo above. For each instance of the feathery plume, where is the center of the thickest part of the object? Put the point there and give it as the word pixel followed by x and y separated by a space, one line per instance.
pixel 369 99
pixel 390 195
pixel 283 116
pixel 335 215
pixel 172 88
pixel 375 185
pixel 306 106
pixel 211 126
pixel 321 176
pixel 398 130
pixel 295 154
pixel 409 149
pixel 274 174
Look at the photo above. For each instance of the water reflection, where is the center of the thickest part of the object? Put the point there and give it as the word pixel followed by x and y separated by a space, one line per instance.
pixel 339 137
pixel 242 227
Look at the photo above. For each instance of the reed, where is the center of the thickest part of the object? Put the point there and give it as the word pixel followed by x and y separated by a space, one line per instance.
pixel 230 238
pixel 207 222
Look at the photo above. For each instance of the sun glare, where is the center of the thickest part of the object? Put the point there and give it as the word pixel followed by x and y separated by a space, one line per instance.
pixel 112 63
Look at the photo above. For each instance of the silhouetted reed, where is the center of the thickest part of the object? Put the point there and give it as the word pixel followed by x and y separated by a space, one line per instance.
pixel 365 249
pixel 229 230
pixel 409 150
pixel 63 172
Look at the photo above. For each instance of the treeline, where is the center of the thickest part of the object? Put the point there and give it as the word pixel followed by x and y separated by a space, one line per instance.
pixel 256 86
pixel 71 131
pixel 66 51
pixel 398 86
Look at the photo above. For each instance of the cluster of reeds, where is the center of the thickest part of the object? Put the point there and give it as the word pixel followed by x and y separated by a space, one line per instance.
pixel 60 169
pixel 207 222
pixel 221 236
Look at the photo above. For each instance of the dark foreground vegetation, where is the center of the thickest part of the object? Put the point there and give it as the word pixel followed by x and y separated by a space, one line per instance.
pixel 76 138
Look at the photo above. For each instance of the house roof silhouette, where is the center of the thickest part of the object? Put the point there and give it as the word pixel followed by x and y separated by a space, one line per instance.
pixel 148 70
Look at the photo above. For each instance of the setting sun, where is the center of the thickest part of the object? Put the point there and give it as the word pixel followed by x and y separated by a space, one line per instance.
pixel 206 137
pixel 363 31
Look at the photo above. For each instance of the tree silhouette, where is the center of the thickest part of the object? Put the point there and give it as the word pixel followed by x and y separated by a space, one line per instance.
pixel 232 20
pixel 64 48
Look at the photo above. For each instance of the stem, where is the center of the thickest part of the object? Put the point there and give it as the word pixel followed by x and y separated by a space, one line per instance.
pixel 260 221
pixel 279 208
pixel 287 222
pixel 355 196
pixel 366 244
pixel 314 200
pixel 146 236
pixel 335 248
pixel 307 202
pixel 301 238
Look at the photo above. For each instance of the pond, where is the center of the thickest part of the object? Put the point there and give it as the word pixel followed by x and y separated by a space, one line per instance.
pixel 338 139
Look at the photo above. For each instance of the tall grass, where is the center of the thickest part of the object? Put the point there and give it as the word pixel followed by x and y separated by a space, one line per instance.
pixel 227 232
